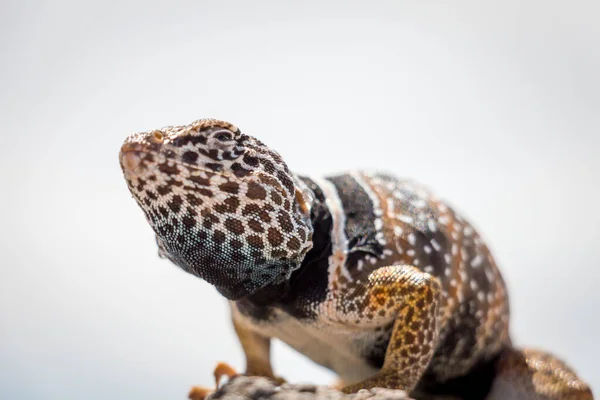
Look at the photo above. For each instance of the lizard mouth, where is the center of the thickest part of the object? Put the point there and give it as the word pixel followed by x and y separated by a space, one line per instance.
pixel 134 159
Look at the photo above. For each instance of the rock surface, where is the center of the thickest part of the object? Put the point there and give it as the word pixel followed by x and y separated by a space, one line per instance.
pixel 255 388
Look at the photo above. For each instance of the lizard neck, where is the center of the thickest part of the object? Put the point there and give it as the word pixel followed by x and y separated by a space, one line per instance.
pixel 313 266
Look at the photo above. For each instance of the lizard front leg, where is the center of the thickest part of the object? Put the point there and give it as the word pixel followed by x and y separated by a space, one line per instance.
pixel 257 349
pixel 413 297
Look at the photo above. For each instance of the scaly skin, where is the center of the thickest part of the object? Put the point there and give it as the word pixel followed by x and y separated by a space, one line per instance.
pixel 366 274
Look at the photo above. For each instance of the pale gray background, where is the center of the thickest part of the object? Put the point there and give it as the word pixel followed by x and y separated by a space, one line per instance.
pixel 494 104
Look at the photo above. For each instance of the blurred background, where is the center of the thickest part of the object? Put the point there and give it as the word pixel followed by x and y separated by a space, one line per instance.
pixel 495 105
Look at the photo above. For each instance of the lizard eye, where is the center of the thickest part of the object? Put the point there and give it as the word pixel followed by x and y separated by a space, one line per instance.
pixel 223 136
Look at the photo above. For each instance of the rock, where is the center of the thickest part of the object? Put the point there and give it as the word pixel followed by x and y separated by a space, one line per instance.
pixel 255 388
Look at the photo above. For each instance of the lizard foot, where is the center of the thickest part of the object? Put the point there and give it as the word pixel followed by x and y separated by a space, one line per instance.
pixel 221 370
pixel 199 393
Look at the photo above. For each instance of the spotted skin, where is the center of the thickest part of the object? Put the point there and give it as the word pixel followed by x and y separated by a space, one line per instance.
pixel 369 275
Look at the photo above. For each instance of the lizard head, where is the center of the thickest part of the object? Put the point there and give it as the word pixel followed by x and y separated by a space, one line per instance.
pixel 224 206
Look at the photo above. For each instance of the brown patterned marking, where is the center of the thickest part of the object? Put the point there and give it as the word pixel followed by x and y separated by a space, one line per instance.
pixel 275 237
pixel 285 223
pixel 255 210
pixel 236 244
pixel 190 157
pixel 219 237
pixel 205 192
pixel 209 220
pixel 256 191
pixel 163 190
pixel 167 169
pixel 293 244
pixel 256 226
pixel 285 181
pixel 229 205
pixel 230 187
pixel 276 198
pixel 189 222
pixel 251 209
pixel 175 203
pixel 255 241
pixel 251 160
pixel 164 212
pixel 234 226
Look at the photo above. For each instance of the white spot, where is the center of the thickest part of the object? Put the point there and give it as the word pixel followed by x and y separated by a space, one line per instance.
pixel 468 231
pixel 480 296
pixel 474 285
pixel 398 230
pixel 476 261
pixel 454 249
pixel 432 225
pixel 435 245
pixel 447 271
pixel 390 207
pixel 428 269
pixel 453 282
pixel 418 203
pixel 412 239
pixel 399 247
pixel 442 208
pixel 398 194
pixel 378 224
pixel 427 249
pixel 443 220
pixel 447 258
pixel 405 218
pixel 411 252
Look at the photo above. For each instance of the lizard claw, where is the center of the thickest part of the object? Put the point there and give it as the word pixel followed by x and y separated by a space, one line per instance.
pixel 199 393
pixel 223 369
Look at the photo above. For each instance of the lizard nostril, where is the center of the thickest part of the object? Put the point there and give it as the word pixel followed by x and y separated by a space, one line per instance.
pixel 158 136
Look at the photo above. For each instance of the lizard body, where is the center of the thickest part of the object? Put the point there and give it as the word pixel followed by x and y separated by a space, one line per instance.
pixel 369 275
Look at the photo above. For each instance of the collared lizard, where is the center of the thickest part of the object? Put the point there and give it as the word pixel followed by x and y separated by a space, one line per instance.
pixel 371 276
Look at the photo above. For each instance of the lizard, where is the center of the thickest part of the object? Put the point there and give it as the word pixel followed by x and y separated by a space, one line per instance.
pixel 369 275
